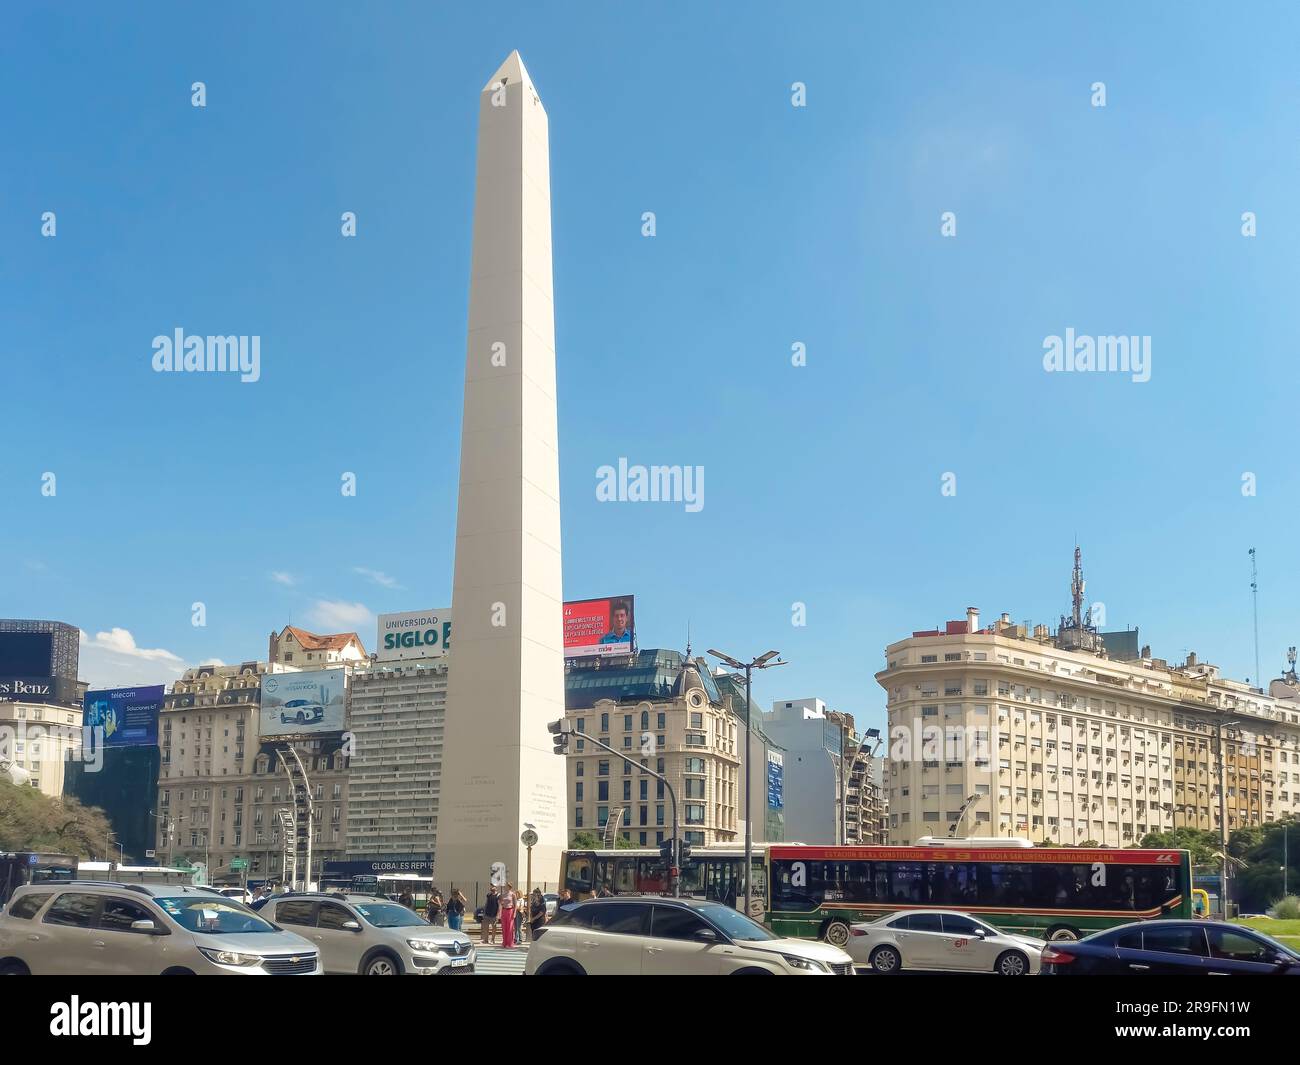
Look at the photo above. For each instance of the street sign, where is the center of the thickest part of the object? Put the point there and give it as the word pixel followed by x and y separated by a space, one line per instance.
pixel 238 864
pixel 529 838
pixel 151 854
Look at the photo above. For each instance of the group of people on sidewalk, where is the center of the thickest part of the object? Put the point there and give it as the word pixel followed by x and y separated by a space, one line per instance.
pixel 514 914
pixel 449 913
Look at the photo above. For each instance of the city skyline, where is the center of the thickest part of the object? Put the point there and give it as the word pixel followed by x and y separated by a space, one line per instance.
pixel 818 225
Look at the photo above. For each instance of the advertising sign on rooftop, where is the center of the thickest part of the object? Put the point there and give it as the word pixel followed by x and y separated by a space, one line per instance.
pixel 599 627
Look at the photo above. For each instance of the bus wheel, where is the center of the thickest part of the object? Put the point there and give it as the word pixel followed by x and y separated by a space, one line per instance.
pixel 1062 933
pixel 836 933
pixel 886 960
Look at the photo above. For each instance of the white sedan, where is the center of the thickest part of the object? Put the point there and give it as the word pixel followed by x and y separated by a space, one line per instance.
pixel 943 940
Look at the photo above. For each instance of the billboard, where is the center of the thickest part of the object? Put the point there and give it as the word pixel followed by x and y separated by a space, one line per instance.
pixel 415 634
pixel 599 627
pixel 26 654
pixel 775 781
pixel 128 716
pixel 294 704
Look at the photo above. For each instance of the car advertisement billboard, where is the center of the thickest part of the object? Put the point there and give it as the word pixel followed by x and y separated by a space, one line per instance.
pixel 308 702
pixel 599 627
pixel 128 716
pixel 415 634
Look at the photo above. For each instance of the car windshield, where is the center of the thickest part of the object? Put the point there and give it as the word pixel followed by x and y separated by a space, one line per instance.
pixel 733 922
pixel 213 915
pixel 389 915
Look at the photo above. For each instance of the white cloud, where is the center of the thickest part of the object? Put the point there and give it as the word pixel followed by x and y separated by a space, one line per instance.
pixel 330 616
pixel 112 659
pixel 287 579
pixel 381 579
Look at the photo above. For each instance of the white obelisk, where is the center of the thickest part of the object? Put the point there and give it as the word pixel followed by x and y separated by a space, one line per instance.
pixel 506 668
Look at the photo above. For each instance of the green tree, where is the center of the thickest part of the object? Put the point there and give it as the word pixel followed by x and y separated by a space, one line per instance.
pixel 32 821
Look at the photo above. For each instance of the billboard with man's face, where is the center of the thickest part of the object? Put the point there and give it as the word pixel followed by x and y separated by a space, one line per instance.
pixel 599 627
pixel 297 703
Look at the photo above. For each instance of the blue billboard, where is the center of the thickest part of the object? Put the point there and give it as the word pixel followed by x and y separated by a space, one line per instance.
pixel 127 716
pixel 775 781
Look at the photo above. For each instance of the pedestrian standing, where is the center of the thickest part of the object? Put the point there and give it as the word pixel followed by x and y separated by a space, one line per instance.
pixel 456 909
pixel 536 913
pixel 509 907
pixel 434 911
pixel 491 908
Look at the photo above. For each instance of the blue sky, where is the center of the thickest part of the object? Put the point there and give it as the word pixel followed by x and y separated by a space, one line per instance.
pixel 775 225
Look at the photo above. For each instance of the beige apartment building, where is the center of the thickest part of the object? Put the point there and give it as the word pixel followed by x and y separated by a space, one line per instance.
pixel 1052 739
pixel 36 741
pixel 676 709
pixel 221 787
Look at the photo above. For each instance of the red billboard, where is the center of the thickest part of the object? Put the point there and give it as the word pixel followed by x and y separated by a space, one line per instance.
pixel 599 627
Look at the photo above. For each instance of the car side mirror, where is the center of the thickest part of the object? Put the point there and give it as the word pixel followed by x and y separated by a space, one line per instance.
pixel 706 935
pixel 981 934
pixel 145 926
pixel 352 926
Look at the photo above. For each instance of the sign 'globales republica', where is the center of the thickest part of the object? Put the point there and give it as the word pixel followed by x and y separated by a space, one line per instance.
pixel 415 634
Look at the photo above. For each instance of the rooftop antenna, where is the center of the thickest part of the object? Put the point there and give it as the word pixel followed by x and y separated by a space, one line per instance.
pixel 1254 594
pixel 688 639
pixel 1077 586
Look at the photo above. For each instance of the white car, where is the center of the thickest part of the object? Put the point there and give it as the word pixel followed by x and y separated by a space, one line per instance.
pixel 652 936
pixel 372 936
pixel 943 940
pixel 237 893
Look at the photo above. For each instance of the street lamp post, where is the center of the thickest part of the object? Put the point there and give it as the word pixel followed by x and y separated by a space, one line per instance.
pixel 761 662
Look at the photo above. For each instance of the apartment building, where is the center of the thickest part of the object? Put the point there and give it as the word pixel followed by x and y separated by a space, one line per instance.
pixel 1003 731
pixel 397 714
pixel 665 711
pixel 221 785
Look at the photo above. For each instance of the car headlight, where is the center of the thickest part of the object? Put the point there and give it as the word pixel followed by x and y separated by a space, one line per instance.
pixel 808 965
pixel 230 957
pixel 424 944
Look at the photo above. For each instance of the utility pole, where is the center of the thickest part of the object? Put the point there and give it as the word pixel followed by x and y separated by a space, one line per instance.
pixel 1220 725
pixel 1254 593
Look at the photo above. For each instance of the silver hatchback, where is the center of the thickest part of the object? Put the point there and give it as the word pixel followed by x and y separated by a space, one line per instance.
pixel 83 928
pixel 373 936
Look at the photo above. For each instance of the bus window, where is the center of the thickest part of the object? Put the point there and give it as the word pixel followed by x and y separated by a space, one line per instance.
pixel 625 879
pixel 692 877
pixel 650 876
pixel 579 873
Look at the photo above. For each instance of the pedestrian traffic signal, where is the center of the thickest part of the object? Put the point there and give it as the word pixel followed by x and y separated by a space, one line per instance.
pixel 684 852
pixel 560 731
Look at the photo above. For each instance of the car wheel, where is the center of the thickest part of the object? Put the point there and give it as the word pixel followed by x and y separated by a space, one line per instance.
pixel 14 968
pixel 1062 934
pixel 561 968
pixel 1012 963
pixel 836 934
pixel 381 965
pixel 886 960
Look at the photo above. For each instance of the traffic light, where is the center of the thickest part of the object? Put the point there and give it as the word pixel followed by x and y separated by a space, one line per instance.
pixel 685 851
pixel 560 731
pixel 666 851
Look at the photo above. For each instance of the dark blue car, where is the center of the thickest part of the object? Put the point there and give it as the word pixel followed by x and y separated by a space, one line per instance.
pixel 1172 948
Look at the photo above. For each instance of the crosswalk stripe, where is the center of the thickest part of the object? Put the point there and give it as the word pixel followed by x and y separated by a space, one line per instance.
pixel 500 961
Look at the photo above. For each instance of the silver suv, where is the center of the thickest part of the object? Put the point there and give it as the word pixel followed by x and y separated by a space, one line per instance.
pixel 372 936
pixel 87 928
